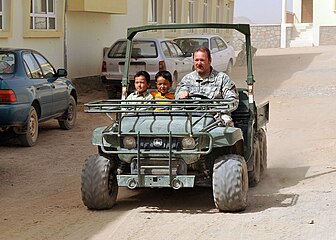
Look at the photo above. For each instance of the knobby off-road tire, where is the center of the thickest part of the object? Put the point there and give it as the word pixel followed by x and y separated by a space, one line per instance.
pixel 263 150
pixel 29 138
pixel 230 183
pixel 99 183
pixel 68 120
pixel 254 175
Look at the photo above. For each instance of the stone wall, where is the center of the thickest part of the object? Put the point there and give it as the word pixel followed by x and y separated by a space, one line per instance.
pixel 327 35
pixel 269 36
pixel 262 36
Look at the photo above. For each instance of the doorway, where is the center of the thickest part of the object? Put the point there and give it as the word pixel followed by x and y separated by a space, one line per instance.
pixel 307 11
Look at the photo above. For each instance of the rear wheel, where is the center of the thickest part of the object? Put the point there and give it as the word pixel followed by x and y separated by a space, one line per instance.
pixel 67 121
pixel 99 184
pixel 230 183
pixel 29 138
pixel 254 175
pixel 263 150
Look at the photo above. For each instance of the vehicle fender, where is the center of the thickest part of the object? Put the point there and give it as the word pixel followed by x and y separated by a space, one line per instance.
pixel 262 114
pixel 226 136
pixel 97 136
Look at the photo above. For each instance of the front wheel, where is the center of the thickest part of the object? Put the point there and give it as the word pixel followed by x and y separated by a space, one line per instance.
pixel 230 183
pixel 99 184
pixel 29 138
pixel 67 121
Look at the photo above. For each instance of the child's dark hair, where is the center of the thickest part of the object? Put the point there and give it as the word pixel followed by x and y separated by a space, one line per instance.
pixel 143 73
pixel 165 74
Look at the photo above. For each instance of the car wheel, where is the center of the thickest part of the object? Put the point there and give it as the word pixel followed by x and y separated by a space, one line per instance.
pixel 29 138
pixel 67 121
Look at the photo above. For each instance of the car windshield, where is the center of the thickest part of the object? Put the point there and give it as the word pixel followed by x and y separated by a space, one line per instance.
pixel 140 49
pixel 7 62
pixel 188 45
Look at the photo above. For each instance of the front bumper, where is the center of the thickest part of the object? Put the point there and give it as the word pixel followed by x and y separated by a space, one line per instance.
pixel 176 182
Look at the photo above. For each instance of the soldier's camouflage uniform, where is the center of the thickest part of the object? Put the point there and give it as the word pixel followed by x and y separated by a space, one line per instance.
pixel 217 86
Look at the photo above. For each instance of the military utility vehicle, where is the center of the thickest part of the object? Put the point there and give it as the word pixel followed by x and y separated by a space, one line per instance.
pixel 178 143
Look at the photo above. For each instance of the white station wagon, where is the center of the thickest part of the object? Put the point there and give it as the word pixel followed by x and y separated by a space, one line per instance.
pixel 149 54
pixel 222 54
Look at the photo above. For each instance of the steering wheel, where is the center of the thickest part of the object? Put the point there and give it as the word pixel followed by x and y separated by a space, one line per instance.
pixel 198 95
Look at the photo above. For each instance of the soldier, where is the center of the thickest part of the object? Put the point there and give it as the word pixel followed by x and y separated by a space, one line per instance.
pixel 208 82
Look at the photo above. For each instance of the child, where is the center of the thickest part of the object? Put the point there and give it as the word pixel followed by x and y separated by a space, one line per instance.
pixel 164 81
pixel 141 84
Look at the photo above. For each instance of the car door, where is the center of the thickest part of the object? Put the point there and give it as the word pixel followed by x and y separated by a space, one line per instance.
pixel 216 55
pixel 224 53
pixel 187 62
pixel 177 61
pixel 41 89
pixel 60 95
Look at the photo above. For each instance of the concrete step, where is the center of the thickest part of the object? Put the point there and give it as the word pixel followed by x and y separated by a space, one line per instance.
pixel 301 43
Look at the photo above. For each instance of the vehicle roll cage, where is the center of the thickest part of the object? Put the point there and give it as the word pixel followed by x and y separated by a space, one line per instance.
pixel 242 28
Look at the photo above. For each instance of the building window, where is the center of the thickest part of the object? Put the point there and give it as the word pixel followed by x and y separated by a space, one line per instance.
pixel 218 11
pixel 191 11
pixel 43 15
pixel 218 14
pixel 205 11
pixel 172 11
pixel 152 12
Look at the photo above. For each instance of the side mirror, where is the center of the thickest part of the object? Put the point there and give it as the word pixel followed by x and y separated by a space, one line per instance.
pixel 61 72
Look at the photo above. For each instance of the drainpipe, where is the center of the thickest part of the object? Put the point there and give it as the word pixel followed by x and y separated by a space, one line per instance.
pixel 283 24
pixel 65 56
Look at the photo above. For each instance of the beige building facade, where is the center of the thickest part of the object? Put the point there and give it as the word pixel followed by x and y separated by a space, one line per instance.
pixel 312 23
pixel 73 33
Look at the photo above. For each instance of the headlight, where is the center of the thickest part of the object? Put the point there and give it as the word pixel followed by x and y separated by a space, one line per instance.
pixel 129 142
pixel 188 143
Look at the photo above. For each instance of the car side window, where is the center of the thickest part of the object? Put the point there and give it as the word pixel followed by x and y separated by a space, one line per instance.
pixel 47 70
pixel 178 49
pixel 172 49
pixel 32 67
pixel 213 45
pixel 221 44
pixel 118 50
pixel 165 49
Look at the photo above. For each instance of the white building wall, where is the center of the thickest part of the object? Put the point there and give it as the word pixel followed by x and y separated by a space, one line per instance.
pixel 324 13
pixel 88 34
pixel 297 11
pixel 52 48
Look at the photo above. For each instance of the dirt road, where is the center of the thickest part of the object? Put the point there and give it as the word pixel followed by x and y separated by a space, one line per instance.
pixel 40 186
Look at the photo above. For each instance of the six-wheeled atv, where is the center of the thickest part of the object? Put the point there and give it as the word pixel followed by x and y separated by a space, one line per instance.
pixel 178 143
